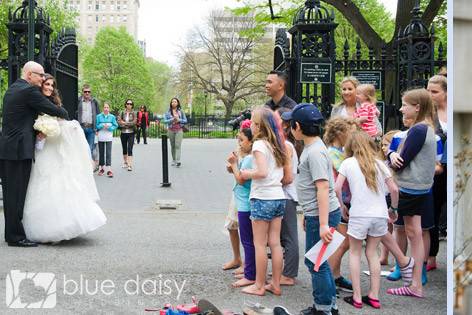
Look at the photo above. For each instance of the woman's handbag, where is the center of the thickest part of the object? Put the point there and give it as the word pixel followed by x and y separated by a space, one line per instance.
pixel 185 129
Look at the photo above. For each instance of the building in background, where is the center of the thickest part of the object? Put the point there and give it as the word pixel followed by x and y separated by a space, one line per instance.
pixel 96 14
pixel 142 45
pixel 227 24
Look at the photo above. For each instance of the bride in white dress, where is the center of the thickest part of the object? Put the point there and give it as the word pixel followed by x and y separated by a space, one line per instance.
pixel 61 201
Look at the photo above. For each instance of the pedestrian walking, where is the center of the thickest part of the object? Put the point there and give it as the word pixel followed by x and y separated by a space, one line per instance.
pixel 142 124
pixel 106 124
pixel 127 122
pixel 175 120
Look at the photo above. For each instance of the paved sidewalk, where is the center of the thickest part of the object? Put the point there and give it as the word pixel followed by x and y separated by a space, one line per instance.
pixel 172 254
pixel 201 183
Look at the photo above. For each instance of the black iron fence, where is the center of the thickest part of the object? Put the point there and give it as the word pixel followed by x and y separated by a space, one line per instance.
pixel 198 127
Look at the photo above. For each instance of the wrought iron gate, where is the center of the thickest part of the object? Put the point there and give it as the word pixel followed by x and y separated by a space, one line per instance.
pixel 312 65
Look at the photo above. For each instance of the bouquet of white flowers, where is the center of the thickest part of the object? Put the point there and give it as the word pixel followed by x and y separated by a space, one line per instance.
pixel 47 125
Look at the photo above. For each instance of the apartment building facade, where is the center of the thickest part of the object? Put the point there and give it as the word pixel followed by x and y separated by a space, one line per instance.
pixel 96 14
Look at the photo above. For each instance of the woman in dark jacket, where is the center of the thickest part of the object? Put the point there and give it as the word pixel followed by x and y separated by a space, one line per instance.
pixel 127 122
pixel 142 124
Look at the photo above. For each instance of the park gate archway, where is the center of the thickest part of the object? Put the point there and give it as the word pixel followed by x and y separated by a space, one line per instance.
pixel 310 61
pixel 59 59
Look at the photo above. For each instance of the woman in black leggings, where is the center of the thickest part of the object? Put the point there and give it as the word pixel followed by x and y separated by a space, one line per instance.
pixel 437 87
pixel 127 122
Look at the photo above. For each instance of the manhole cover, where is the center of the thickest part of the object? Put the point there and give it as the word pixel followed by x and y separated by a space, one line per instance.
pixel 168 204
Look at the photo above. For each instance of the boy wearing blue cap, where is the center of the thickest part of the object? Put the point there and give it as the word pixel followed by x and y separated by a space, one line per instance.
pixel 316 196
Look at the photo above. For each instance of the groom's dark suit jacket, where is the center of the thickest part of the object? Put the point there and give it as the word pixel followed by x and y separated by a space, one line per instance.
pixel 21 105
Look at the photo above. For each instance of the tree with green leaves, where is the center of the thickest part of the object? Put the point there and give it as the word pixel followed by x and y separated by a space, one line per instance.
pixel 60 17
pixel 367 19
pixel 117 70
pixel 163 77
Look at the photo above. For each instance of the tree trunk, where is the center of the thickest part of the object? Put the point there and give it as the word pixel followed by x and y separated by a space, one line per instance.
pixel 403 17
pixel 228 109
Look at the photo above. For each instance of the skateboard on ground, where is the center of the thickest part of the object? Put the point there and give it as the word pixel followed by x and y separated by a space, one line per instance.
pixel 208 308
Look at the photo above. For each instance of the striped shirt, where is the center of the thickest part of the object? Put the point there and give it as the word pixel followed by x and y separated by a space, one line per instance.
pixel 416 147
pixel 399 137
pixel 370 111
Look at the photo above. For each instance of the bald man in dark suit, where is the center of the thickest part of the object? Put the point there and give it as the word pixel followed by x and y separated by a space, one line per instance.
pixel 22 103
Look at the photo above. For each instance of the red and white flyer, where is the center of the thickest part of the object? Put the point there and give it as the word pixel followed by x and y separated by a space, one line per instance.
pixel 319 253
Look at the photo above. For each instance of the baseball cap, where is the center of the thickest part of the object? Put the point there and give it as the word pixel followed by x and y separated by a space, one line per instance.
pixel 305 113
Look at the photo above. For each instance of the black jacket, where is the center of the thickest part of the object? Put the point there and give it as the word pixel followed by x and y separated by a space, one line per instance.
pixel 21 105
pixel 285 101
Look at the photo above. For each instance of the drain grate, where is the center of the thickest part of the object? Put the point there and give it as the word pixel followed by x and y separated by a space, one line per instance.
pixel 168 204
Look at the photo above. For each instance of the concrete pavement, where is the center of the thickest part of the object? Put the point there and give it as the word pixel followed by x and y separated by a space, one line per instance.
pixel 144 257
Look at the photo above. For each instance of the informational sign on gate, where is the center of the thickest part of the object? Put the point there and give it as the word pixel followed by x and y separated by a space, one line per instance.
pixel 369 77
pixel 381 108
pixel 311 72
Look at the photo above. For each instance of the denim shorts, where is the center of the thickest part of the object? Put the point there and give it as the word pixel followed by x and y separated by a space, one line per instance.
pixel 267 209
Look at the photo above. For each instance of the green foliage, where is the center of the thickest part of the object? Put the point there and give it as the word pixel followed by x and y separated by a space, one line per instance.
pixel 375 14
pixel 116 70
pixel 200 101
pixel 373 11
pixel 195 131
pixel 440 24
pixel 162 76
pixel 60 17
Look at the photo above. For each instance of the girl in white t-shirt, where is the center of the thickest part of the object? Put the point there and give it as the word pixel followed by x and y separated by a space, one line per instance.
pixel 368 214
pixel 267 198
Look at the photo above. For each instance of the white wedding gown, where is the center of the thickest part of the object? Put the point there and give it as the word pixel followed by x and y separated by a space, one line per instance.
pixel 61 201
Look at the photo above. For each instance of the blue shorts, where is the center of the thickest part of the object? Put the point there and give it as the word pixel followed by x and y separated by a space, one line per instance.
pixel 267 209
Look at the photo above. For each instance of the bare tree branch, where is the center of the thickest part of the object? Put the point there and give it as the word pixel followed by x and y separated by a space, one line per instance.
pixel 224 62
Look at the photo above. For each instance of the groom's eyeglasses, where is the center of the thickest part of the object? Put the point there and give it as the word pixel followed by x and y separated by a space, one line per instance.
pixel 42 75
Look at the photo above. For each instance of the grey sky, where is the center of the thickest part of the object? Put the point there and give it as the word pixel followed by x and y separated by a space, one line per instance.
pixel 164 24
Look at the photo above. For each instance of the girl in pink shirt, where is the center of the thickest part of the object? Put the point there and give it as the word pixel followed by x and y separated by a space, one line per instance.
pixel 367 112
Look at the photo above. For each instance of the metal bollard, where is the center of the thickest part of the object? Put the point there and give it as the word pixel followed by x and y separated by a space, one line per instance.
pixel 165 163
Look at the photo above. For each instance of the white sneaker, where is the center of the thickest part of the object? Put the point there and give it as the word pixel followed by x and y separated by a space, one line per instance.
pixel 173 163
pixel 251 308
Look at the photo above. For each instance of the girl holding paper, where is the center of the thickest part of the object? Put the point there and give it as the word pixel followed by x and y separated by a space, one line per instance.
pixel 366 175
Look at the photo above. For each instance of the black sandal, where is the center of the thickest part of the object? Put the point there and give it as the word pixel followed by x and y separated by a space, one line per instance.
pixel 350 300
pixel 371 302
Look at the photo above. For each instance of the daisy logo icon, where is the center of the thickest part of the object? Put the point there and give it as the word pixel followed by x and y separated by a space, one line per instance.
pixel 30 289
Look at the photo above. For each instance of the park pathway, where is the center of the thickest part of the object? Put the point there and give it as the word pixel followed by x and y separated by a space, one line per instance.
pixel 157 256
